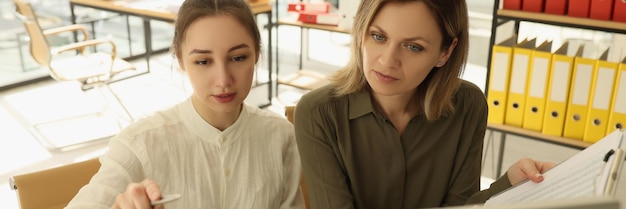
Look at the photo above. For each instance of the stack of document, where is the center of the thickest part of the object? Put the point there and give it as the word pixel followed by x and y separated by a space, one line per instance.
pixel 591 173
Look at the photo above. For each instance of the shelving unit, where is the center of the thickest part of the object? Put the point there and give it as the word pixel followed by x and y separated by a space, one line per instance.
pixel 500 17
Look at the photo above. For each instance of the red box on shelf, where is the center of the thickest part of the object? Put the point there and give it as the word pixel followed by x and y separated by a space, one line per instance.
pixel 579 8
pixel 319 18
pixel 601 9
pixel 556 7
pixel 533 5
pixel 619 11
pixel 512 4
pixel 322 7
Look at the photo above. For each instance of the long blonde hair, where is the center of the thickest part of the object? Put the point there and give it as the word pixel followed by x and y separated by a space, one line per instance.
pixel 435 92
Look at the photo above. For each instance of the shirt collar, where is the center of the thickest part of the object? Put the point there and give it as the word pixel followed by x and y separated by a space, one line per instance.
pixel 206 131
pixel 359 104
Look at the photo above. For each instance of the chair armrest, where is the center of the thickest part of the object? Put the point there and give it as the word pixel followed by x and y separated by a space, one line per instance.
pixel 67 28
pixel 83 44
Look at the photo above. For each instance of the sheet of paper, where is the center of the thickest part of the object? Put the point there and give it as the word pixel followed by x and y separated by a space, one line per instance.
pixel 583 175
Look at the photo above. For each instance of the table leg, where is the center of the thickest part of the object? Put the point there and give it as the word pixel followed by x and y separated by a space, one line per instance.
pixel 269 58
pixel 302 31
pixel 73 19
pixel 277 49
pixel 18 39
pixel 130 44
pixel 147 41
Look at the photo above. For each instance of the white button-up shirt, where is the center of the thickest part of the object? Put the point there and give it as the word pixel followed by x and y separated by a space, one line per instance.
pixel 252 164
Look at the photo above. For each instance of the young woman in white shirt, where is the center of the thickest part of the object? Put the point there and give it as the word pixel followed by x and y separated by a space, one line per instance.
pixel 213 149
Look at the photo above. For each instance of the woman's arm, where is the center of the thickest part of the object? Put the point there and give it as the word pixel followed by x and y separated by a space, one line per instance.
pixel 523 169
pixel 326 181
pixel 467 171
pixel 292 195
pixel 111 179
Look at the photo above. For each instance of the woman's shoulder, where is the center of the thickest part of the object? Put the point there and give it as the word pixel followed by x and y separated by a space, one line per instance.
pixel 470 88
pixel 318 96
pixel 153 122
pixel 470 95
pixel 268 125
pixel 266 116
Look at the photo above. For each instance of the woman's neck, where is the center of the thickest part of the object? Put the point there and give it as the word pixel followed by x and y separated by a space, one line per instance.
pixel 219 120
pixel 395 106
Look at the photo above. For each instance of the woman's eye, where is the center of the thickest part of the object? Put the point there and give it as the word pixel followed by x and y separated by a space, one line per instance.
pixel 239 58
pixel 413 48
pixel 202 62
pixel 377 37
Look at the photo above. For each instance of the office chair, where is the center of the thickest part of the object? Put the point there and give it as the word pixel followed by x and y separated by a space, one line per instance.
pixel 73 62
pixel 289 111
pixel 52 188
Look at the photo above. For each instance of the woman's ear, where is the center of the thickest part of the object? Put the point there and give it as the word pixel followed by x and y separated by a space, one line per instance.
pixel 447 53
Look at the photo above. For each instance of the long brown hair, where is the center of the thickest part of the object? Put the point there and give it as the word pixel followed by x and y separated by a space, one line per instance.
pixel 191 10
pixel 435 92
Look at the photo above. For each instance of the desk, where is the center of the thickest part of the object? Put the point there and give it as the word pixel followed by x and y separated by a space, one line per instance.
pixel 516 131
pixel 304 79
pixel 149 10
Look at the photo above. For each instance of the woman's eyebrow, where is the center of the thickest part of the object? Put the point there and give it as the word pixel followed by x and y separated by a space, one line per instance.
pixel 406 39
pixel 206 51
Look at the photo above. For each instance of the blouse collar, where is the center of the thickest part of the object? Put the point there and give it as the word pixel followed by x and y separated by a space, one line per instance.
pixel 205 131
pixel 359 104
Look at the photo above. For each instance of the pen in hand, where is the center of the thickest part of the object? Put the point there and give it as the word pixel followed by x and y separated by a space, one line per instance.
pixel 165 199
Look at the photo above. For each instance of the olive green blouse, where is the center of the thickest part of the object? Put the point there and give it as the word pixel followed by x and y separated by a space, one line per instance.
pixel 353 157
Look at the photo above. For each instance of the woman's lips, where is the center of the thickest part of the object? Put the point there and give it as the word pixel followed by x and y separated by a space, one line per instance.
pixel 225 98
pixel 383 77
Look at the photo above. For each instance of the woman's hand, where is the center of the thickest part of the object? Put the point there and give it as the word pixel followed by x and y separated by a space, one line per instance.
pixel 527 168
pixel 138 196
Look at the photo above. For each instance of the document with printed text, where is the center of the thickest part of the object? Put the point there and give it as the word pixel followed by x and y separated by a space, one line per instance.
pixel 586 174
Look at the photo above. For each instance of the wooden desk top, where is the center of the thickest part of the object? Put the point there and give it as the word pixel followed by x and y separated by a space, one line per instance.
pixel 150 8
pixel 293 22
pixel 539 136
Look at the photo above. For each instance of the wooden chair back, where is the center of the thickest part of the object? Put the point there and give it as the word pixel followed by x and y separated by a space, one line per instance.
pixel 39 47
pixel 55 187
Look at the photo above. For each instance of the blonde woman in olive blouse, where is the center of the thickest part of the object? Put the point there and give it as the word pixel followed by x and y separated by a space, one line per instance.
pixel 397 127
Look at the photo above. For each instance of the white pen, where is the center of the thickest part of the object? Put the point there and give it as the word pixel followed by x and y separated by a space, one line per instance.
pixel 165 199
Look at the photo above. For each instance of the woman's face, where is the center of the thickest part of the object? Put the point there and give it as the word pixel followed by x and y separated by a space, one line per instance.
pixel 401 46
pixel 218 55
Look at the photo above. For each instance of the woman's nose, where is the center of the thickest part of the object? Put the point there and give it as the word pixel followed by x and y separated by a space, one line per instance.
pixel 223 77
pixel 389 57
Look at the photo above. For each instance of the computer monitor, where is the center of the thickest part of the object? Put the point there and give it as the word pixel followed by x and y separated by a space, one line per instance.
pixel 604 202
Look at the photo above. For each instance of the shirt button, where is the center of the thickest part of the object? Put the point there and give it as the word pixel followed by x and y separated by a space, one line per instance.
pixel 227 172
